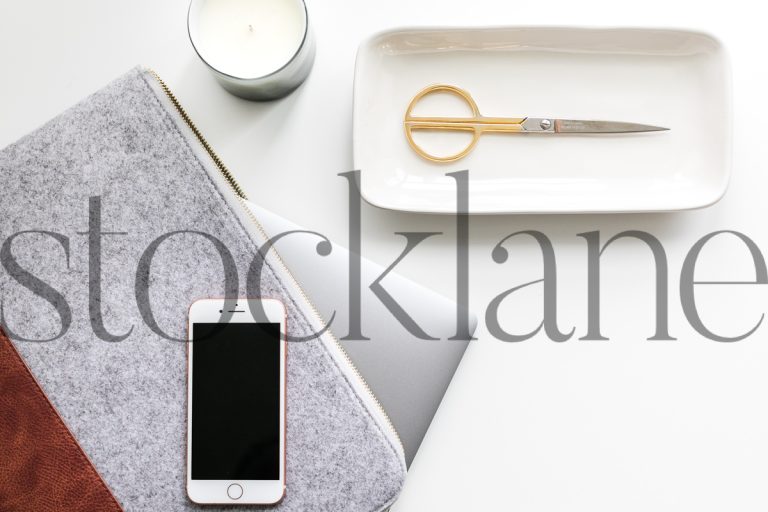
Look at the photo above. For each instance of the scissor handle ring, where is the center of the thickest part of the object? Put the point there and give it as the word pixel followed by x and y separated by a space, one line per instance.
pixel 410 122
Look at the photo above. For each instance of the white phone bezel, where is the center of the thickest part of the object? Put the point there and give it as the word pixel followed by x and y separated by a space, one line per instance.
pixel 255 492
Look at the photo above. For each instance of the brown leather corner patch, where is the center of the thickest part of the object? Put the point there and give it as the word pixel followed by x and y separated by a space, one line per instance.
pixel 42 467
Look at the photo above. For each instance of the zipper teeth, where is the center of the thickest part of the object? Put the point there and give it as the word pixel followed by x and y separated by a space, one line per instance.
pixel 192 126
pixel 240 194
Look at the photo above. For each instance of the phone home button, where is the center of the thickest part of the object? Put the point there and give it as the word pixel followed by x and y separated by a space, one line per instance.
pixel 235 491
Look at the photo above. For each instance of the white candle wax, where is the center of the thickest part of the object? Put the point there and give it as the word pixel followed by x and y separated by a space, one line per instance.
pixel 249 38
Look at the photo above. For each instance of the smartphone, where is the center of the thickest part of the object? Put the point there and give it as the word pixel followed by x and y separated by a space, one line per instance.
pixel 236 379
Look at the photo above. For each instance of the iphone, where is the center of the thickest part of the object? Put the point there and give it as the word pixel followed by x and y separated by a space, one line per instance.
pixel 236 379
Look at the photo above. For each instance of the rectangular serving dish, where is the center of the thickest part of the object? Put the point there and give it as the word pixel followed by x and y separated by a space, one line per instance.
pixel 673 78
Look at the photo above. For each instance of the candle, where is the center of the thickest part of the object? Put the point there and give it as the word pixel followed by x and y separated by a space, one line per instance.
pixel 257 49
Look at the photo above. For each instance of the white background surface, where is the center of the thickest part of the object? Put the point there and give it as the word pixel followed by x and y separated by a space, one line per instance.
pixel 625 424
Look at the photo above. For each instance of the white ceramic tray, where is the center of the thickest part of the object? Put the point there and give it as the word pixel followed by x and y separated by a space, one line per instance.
pixel 672 78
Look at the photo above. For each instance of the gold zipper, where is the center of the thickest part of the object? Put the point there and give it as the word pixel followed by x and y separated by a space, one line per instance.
pixel 241 197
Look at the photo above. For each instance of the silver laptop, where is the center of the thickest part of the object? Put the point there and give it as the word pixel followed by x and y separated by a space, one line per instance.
pixel 408 375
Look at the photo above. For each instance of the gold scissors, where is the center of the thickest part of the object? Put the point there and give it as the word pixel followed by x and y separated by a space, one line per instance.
pixel 478 124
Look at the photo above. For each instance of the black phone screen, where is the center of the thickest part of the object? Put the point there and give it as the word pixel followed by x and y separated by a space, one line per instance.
pixel 236 401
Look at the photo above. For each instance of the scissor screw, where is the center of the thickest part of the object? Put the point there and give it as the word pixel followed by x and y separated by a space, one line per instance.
pixel 545 124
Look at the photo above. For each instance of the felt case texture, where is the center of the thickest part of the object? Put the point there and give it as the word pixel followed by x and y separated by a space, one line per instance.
pixel 42 468
pixel 126 150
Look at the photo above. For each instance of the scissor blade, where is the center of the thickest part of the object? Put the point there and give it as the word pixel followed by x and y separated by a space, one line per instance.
pixel 579 126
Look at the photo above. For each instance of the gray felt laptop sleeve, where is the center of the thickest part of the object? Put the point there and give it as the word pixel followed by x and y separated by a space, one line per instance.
pixel 125 158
